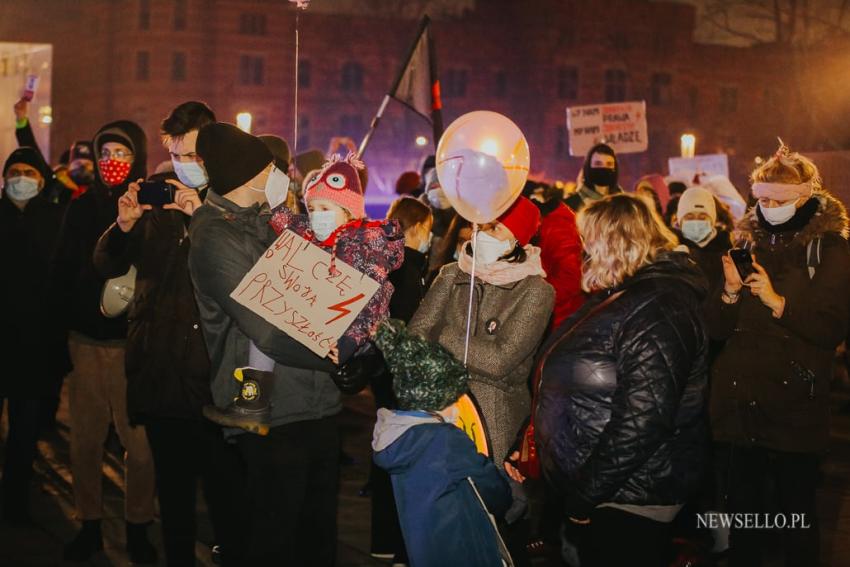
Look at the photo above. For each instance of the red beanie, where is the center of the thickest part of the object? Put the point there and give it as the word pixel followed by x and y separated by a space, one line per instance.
pixel 339 181
pixel 522 219
pixel 407 183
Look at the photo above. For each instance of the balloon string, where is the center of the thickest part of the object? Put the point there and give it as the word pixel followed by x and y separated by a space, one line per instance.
pixel 471 292
pixel 297 47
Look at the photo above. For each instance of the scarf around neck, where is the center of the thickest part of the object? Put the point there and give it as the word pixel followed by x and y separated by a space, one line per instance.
pixel 501 272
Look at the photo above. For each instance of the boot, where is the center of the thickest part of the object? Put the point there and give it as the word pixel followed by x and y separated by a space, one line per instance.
pixel 139 548
pixel 251 410
pixel 87 542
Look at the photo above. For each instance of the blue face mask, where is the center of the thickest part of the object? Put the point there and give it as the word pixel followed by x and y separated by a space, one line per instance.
pixel 697 230
pixel 323 223
pixel 21 188
pixel 190 173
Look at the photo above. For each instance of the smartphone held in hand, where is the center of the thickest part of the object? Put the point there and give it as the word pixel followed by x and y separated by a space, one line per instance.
pixel 155 193
pixel 743 262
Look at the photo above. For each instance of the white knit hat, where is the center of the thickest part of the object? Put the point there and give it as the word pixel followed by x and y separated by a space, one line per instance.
pixel 697 200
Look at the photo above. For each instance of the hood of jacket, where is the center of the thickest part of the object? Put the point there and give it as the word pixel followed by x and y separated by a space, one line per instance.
pixel 392 424
pixel 831 216
pixel 138 141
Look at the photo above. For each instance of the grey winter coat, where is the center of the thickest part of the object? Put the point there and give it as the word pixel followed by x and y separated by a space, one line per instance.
pixel 508 322
pixel 227 240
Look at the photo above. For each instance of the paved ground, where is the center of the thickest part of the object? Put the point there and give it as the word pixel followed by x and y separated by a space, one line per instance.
pixel 41 543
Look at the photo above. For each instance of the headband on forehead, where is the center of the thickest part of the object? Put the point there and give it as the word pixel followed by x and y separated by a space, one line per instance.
pixel 782 191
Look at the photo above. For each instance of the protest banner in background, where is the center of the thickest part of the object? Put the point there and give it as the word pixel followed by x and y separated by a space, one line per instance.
pixel 621 125
pixel 293 287
pixel 709 164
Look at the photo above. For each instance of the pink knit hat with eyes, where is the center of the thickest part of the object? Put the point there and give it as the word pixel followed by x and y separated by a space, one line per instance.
pixel 339 182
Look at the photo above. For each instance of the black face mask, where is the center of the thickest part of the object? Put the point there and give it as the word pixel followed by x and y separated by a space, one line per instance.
pixel 81 175
pixel 602 176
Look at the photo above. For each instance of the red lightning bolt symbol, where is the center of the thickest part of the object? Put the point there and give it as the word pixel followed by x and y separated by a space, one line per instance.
pixel 341 307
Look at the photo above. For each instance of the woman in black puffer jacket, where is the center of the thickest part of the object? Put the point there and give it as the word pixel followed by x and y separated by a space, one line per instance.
pixel 620 419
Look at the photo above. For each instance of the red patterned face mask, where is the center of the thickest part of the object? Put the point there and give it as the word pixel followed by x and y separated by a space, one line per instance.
pixel 114 172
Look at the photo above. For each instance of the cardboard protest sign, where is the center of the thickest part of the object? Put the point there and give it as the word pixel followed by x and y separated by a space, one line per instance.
pixel 293 287
pixel 709 164
pixel 622 125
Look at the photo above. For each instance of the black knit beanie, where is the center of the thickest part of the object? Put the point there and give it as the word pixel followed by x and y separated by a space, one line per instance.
pixel 231 157
pixel 31 157
pixel 279 149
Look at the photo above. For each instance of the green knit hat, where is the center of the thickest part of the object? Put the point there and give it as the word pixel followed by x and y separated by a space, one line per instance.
pixel 425 375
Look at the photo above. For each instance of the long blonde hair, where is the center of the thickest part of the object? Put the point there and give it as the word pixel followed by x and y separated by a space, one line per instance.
pixel 621 234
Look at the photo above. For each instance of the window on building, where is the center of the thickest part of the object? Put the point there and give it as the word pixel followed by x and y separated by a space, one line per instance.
pixel 615 85
pixel 352 77
pixel 728 99
pixel 251 70
pixel 304 74
pixel 771 98
pixel 454 84
pixel 693 96
pixel 178 66
pixel 144 14
pixel 619 41
pixel 303 132
pixel 252 24
pixel 143 65
pixel 351 125
pixel 662 89
pixel 180 7
pixel 561 149
pixel 568 83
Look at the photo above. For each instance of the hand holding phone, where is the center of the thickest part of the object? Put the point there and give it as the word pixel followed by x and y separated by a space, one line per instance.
pixel 743 261
pixel 129 208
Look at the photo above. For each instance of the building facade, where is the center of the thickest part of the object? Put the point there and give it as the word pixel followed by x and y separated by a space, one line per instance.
pixel 531 60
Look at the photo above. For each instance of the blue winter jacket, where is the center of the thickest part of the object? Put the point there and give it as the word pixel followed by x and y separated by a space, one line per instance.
pixel 442 520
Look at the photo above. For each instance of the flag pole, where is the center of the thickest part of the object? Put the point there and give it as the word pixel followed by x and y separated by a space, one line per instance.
pixel 423 26
pixel 436 96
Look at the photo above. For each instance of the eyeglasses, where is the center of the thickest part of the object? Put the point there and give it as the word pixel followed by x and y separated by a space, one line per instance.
pixel 117 154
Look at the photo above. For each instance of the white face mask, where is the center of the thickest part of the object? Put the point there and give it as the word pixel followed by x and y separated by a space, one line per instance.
pixel 779 215
pixel 437 198
pixel 489 248
pixel 425 245
pixel 323 223
pixel 190 173
pixel 21 188
pixel 697 230
pixel 276 189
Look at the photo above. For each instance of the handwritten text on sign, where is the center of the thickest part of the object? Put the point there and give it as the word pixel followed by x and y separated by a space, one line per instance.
pixel 621 125
pixel 292 287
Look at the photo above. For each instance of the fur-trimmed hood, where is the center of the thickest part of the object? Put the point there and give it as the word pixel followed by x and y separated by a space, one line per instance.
pixel 830 217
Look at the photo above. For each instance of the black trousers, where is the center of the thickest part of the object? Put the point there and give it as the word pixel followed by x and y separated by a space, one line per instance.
pixel 764 481
pixel 386 529
pixel 292 481
pixel 26 418
pixel 185 451
pixel 615 538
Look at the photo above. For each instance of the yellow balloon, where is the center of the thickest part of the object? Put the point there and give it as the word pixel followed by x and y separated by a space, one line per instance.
pixel 482 164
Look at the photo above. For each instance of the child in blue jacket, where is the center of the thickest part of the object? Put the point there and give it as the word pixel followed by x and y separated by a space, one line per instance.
pixel 431 461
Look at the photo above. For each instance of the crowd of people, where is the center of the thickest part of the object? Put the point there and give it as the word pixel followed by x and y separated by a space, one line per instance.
pixel 637 358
